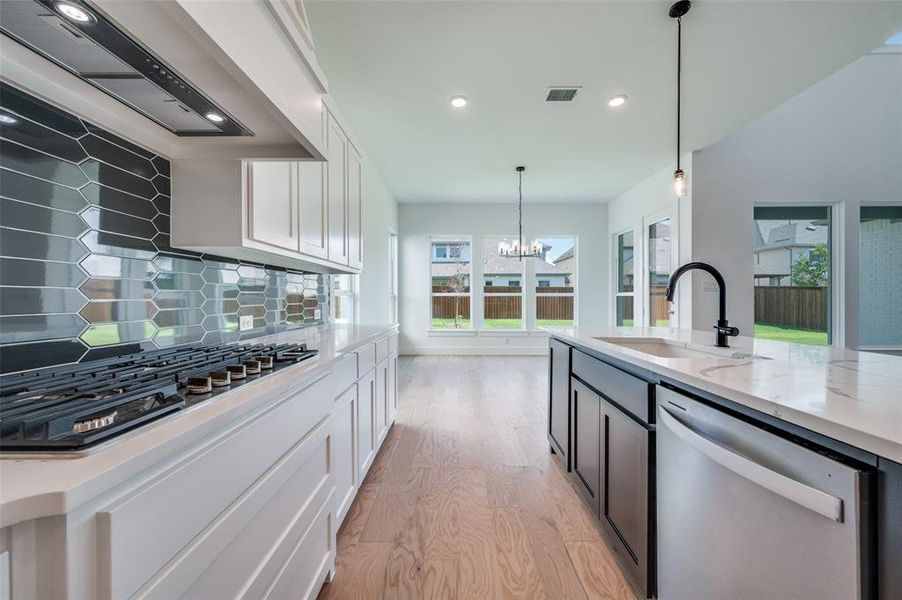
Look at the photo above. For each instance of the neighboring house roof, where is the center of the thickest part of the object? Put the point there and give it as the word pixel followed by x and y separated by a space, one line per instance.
pixel 565 256
pixel 496 264
pixel 790 235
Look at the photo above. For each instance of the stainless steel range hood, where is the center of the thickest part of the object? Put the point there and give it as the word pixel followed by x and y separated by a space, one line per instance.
pixel 79 38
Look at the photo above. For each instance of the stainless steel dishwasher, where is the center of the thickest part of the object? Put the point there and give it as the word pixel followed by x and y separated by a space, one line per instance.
pixel 744 513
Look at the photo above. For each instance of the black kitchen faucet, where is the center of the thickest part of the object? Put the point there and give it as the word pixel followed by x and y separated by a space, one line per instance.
pixel 722 326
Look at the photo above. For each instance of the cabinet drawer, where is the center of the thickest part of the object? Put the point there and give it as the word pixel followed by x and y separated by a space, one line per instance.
pixel 366 359
pixel 344 374
pixel 381 349
pixel 630 392
pixel 167 512
pixel 254 536
pixel 304 572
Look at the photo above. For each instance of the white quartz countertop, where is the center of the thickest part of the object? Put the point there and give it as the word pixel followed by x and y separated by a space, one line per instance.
pixel 853 397
pixel 32 487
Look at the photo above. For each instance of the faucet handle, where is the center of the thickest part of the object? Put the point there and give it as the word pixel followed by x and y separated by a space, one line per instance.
pixel 726 329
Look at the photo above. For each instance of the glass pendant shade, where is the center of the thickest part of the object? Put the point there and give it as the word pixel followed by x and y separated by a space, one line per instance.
pixel 680 183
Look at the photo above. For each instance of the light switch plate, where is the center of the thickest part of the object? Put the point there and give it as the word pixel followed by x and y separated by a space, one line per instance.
pixel 709 286
pixel 246 322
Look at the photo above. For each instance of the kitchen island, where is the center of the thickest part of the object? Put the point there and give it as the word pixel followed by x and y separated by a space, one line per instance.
pixel 172 508
pixel 621 397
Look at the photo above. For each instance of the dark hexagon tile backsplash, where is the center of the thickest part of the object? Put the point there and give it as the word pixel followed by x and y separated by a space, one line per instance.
pixel 86 269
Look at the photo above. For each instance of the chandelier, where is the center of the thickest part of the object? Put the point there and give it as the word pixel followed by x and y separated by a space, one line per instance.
pixel 518 248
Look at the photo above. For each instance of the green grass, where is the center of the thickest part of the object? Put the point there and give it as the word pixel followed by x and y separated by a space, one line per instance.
pixel 438 323
pixel 554 323
pixel 788 334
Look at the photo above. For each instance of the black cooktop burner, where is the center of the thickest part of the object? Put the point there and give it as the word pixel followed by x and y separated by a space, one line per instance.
pixel 73 407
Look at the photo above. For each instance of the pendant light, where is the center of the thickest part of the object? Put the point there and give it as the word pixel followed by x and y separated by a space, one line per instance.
pixel 518 248
pixel 677 11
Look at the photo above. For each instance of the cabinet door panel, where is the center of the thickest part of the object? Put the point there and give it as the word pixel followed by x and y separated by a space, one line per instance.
pixel 355 209
pixel 272 204
pixel 381 400
pixel 343 454
pixel 313 207
pixel 559 401
pixel 366 423
pixel 624 505
pixel 586 432
pixel 338 197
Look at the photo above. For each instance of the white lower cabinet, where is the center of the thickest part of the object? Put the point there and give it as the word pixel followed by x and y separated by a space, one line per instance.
pixel 344 455
pixel 248 511
pixel 366 422
pixel 381 425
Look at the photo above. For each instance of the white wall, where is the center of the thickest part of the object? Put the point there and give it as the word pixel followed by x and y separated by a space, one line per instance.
pixel 417 222
pixel 380 216
pixel 839 142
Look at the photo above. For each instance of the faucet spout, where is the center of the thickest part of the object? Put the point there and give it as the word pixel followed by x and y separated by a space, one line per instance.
pixel 722 327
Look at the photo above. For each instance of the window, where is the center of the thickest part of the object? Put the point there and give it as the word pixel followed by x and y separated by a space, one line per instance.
pixel 343 290
pixel 555 272
pixel 793 273
pixel 450 275
pixel 660 262
pixel 393 274
pixel 880 277
pixel 625 287
pixel 502 298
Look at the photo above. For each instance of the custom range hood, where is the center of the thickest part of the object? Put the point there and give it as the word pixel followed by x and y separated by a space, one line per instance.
pixel 78 37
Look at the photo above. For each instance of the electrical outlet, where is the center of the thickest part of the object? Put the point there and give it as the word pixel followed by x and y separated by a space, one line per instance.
pixel 317 314
pixel 246 322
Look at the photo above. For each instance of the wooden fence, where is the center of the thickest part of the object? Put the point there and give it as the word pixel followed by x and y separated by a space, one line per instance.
pixel 504 305
pixel 797 307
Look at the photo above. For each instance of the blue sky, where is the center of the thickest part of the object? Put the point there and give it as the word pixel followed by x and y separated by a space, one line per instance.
pixel 558 246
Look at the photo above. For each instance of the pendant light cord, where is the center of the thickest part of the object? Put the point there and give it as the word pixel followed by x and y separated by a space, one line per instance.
pixel 679 77
pixel 520 211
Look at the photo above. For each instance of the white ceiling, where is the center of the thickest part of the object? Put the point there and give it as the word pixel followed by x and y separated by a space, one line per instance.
pixel 392 65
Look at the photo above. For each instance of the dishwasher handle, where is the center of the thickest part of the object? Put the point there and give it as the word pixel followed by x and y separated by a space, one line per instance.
pixel 804 495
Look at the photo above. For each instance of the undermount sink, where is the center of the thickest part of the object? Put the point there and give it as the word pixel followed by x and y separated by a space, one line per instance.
pixel 667 349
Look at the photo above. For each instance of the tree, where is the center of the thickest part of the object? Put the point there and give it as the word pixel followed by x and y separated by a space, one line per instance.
pixel 458 284
pixel 812 270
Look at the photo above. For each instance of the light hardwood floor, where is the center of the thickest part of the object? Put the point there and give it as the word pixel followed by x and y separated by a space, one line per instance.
pixel 464 499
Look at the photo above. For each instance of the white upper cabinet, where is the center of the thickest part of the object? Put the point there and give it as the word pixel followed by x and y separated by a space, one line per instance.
pixel 313 206
pixel 336 153
pixel 273 204
pixel 354 167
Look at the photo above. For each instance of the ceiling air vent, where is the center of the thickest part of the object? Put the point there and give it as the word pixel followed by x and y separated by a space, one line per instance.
pixel 561 94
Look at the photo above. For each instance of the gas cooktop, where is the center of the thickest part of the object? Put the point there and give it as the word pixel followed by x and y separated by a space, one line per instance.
pixel 73 407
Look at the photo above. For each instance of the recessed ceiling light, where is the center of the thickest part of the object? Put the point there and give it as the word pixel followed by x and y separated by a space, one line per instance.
pixel 617 100
pixel 73 12
pixel 8 120
pixel 215 117
pixel 458 101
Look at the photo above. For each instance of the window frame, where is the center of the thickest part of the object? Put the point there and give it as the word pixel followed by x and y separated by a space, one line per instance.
pixel 440 239
pixel 483 294
pixel 671 213
pixel 393 304
pixel 835 275
pixel 615 271
pixel 351 294
pixel 870 207
pixel 533 282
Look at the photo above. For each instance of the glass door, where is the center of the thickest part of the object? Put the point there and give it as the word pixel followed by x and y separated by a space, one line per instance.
pixel 660 254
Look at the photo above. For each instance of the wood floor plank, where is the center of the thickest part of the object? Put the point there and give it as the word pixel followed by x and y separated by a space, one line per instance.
pixel 517 568
pixel 463 499
pixel 599 575
pixel 357 516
